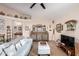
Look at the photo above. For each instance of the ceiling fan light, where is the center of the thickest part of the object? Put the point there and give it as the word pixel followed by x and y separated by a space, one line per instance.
pixel 42 6
pixel 32 5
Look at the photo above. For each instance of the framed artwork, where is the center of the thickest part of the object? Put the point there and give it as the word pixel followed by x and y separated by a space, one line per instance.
pixel 71 25
pixel 20 28
pixel 39 28
pixel 59 27
pixel 27 28
pixel 33 27
pixel 15 29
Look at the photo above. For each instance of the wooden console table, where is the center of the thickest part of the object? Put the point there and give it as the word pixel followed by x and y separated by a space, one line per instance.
pixel 17 34
pixel 69 50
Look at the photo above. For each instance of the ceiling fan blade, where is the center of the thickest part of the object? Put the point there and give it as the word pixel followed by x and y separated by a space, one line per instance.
pixel 32 5
pixel 43 6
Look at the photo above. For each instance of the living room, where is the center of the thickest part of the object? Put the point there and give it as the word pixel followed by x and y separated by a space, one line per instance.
pixel 37 29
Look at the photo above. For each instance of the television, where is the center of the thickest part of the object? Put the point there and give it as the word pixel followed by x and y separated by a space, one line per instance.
pixel 68 40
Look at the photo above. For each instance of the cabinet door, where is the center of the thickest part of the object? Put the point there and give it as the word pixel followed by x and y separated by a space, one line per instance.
pixel 39 37
pixel 33 36
pixel 45 36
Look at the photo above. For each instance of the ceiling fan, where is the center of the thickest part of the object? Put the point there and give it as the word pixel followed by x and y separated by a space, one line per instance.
pixel 42 5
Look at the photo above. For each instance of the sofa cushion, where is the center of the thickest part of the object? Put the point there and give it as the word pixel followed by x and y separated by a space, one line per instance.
pixel 10 50
pixel 18 45
pixel 5 45
pixel 23 41
pixel 24 50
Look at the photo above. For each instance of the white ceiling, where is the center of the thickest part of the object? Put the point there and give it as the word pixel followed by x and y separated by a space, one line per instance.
pixel 52 10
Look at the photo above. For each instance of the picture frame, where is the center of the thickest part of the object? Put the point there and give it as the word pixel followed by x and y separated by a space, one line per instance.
pixel 27 28
pixel 71 25
pixel 59 28
pixel 20 28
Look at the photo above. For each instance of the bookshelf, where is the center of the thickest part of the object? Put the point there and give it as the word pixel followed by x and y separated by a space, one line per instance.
pixel 8 34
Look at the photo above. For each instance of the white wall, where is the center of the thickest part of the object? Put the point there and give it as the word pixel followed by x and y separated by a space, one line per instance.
pixel 8 10
pixel 34 22
pixel 71 14
pixel 9 21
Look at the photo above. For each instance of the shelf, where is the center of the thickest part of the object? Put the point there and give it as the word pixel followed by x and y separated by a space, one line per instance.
pixel 9 33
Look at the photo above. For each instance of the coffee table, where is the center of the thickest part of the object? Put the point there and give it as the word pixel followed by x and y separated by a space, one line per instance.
pixel 43 48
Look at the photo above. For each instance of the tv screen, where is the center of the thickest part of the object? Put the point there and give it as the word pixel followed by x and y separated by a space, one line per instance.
pixel 67 40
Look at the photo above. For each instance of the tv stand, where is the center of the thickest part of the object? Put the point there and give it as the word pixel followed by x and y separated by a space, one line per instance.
pixel 70 51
